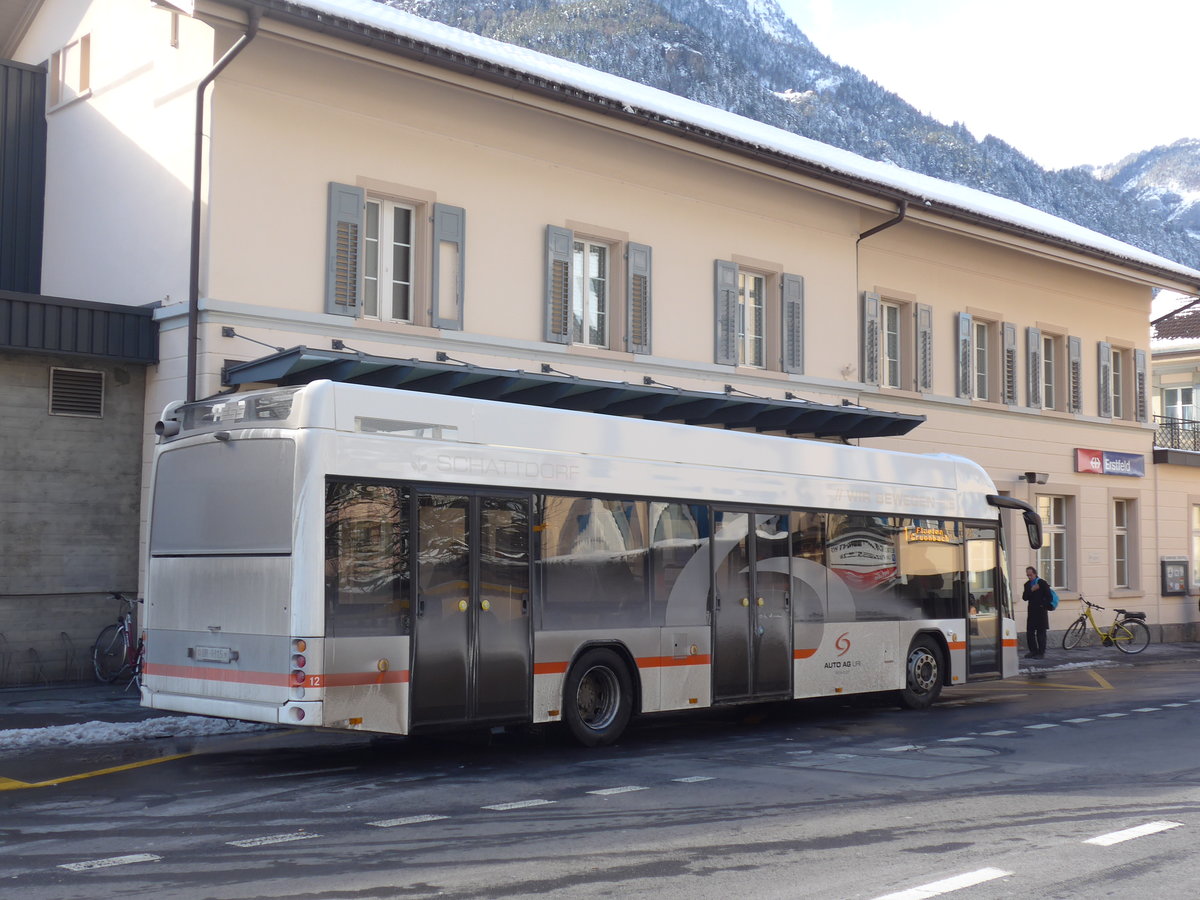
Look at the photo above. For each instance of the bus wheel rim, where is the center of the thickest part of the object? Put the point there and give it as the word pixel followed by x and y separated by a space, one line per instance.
pixel 598 697
pixel 922 670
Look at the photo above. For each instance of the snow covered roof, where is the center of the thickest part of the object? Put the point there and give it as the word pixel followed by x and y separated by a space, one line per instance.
pixel 670 109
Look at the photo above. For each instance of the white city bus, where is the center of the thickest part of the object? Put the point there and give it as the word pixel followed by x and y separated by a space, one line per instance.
pixel 352 557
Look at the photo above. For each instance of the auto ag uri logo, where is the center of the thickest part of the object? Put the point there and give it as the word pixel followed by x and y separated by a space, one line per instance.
pixel 843 643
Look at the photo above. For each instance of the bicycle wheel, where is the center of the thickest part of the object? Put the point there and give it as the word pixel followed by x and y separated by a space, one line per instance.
pixel 110 653
pixel 1131 636
pixel 1073 636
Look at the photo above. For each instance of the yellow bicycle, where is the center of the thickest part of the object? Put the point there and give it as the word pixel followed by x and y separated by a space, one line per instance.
pixel 1128 632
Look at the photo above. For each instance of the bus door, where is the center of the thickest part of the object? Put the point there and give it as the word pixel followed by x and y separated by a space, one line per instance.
pixel 751 606
pixel 472 648
pixel 985 592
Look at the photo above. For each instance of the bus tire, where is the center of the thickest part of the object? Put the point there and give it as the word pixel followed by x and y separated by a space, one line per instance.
pixel 598 698
pixel 922 674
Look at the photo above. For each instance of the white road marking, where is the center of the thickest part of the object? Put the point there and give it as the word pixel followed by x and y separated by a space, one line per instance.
pixel 1043 725
pixel 520 804
pixel 946 885
pixel 1113 715
pixel 694 779
pixel 999 733
pixel 1148 709
pixel 957 740
pixel 273 839
pixel 903 748
pixel 1116 837
pixel 1174 705
pixel 606 792
pixel 111 861
pixel 1079 721
pixel 407 820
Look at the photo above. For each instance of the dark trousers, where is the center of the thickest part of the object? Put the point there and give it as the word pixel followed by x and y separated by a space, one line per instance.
pixel 1036 638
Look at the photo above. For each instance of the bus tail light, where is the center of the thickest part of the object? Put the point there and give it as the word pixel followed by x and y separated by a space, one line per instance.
pixel 299 676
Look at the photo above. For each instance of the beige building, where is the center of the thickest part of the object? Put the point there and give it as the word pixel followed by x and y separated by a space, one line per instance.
pixel 369 185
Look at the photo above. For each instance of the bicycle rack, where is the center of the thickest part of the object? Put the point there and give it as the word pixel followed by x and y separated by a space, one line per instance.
pixel 37 667
pixel 73 668
pixel 5 659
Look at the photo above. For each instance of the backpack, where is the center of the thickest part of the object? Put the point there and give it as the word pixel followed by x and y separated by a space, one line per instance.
pixel 1053 598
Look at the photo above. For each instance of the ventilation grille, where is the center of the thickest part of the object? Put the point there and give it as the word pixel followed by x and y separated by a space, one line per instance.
pixel 76 392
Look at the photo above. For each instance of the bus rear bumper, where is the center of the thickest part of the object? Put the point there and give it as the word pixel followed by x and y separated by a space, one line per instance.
pixel 291 713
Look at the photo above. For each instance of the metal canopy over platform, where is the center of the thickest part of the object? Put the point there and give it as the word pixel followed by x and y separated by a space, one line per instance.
pixel 300 365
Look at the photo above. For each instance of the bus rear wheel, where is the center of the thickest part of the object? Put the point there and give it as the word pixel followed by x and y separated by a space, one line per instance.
pixel 598 698
pixel 922 675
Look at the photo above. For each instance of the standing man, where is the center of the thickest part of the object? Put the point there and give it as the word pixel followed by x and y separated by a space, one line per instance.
pixel 1037 619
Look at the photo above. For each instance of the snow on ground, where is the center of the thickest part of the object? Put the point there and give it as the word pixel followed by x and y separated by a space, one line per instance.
pixel 91 733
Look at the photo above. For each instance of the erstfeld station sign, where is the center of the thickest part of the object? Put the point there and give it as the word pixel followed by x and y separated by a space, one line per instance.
pixel 1108 462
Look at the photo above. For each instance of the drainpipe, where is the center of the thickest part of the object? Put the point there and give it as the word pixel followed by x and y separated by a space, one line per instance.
pixel 193 323
pixel 900 214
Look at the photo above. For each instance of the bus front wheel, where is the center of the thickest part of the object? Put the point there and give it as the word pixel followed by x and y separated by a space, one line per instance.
pixel 598 698
pixel 922 675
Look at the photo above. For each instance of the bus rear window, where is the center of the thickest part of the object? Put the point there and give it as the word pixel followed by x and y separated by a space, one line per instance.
pixel 233 497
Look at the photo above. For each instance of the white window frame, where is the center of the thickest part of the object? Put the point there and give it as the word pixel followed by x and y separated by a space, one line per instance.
pixel 752 335
pixel 1118 369
pixel 1051 350
pixel 1194 506
pixel 1054 555
pixel 381 277
pixel 1176 410
pixel 591 293
pixel 70 73
pixel 891 359
pixel 1123 512
pixel 982 335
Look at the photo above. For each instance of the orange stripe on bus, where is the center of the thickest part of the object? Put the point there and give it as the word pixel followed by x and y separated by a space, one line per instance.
pixel 804 654
pixel 655 662
pixel 957 645
pixel 554 668
pixel 1009 642
pixel 275 679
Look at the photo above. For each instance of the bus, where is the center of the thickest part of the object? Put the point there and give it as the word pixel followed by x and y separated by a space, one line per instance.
pixel 361 558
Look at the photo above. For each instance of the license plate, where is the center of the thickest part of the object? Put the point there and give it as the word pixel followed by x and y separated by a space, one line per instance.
pixel 213 654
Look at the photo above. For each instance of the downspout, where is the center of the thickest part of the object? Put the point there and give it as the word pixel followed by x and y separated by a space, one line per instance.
pixel 193 322
pixel 899 217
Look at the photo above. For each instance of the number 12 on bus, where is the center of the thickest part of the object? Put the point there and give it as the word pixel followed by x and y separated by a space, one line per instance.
pixel 352 557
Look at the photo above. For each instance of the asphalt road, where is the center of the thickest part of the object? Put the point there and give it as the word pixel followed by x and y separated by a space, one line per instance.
pixel 996 792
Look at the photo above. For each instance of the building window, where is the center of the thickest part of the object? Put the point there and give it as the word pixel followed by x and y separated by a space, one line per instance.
pixel 890 347
pixel 394 261
pixel 388 261
pixel 983 360
pixel 589 293
pixel 752 314
pixel 759 318
pixel 1049 372
pixel 1118 384
pixel 1121 543
pixel 70 72
pixel 1052 557
pixel 1177 403
pixel 597 291
pixel 1195 546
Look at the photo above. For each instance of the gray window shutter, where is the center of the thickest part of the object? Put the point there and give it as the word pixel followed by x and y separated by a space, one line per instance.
pixel 1033 349
pixel 792 289
pixel 1141 408
pixel 343 272
pixel 637 295
pixel 1105 375
pixel 1075 368
pixel 725 324
pixel 963 347
pixel 449 265
pixel 558 284
pixel 1009 388
pixel 870 338
pixel 924 314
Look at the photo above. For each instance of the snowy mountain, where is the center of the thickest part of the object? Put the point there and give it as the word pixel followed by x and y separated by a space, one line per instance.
pixel 748 57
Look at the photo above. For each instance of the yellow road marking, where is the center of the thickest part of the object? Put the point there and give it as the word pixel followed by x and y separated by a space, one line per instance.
pixel 10 784
pixel 1103 682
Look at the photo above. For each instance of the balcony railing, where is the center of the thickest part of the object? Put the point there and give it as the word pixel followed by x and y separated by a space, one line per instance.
pixel 1177 434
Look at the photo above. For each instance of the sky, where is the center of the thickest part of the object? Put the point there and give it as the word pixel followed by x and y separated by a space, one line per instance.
pixel 1066 82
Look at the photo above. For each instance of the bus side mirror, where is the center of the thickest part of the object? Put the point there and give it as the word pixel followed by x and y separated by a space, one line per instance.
pixel 1033 527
